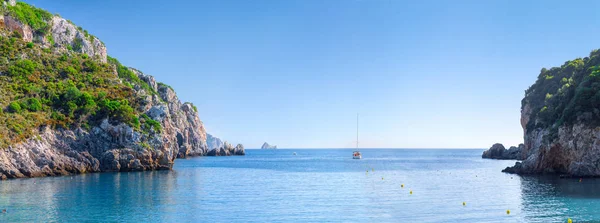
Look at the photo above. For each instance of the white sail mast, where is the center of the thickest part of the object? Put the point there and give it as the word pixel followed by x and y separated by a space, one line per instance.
pixel 356 131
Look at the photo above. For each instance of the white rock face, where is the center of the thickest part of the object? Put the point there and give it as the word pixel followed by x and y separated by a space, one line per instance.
pixel 213 142
pixel 66 34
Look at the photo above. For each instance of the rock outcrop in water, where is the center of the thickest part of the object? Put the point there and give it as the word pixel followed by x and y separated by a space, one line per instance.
pixel 227 150
pixel 124 121
pixel 497 151
pixel 561 120
pixel 213 142
pixel 267 146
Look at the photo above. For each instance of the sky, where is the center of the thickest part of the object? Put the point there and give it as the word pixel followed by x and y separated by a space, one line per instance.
pixel 295 73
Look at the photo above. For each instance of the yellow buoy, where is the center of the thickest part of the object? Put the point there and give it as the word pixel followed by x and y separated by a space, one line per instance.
pixel 382 178
pixel 410 191
pixel 373 169
pixel 507 211
pixel 464 203
pixel 402 185
pixel 569 220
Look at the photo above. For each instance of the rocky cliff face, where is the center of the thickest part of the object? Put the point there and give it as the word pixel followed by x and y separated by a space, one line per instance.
pixel 104 148
pixel 575 152
pixel 111 145
pixel 64 36
pixel 182 126
pixel 497 151
pixel 560 121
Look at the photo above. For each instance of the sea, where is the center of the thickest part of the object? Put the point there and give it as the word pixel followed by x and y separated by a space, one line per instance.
pixel 315 185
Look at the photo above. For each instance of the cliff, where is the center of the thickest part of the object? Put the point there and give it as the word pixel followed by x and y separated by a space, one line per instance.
pixel 267 146
pixel 560 117
pixel 67 107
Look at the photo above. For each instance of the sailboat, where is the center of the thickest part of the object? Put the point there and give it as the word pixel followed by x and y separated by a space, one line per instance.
pixel 356 154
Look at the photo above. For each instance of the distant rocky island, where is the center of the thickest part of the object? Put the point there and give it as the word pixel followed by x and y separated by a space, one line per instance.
pixel 560 117
pixel 67 107
pixel 267 146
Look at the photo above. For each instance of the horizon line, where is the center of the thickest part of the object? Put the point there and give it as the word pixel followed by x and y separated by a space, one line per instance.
pixel 367 148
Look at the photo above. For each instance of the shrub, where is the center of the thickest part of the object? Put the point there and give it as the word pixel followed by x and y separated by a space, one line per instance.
pixel 22 68
pixel 71 108
pixel 117 110
pixel 91 66
pixel 30 45
pixel 50 39
pixel 14 107
pixel 150 123
pixel 17 35
pixel 70 71
pixel 136 122
pixel 34 105
pixel 72 94
pixel 77 44
pixel 17 128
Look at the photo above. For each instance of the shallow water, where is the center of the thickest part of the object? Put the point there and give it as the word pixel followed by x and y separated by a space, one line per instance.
pixel 313 186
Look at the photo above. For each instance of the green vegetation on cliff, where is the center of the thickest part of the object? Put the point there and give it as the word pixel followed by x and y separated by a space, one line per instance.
pixel 39 88
pixel 48 84
pixel 36 18
pixel 566 95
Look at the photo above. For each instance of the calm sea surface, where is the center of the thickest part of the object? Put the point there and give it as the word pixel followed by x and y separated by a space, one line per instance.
pixel 313 186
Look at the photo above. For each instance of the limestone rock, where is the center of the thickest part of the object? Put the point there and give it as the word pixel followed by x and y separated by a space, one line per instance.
pixel 574 152
pixel 267 146
pixel 213 142
pixel 227 150
pixel 67 35
pixel 497 151
pixel 14 25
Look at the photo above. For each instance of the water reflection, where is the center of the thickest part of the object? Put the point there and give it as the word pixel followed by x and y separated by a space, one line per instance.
pixel 551 199
pixel 569 187
pixel 88 197
pixel 318 186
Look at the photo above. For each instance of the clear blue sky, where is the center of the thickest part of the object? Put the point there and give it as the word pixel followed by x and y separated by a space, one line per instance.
pixel 427 74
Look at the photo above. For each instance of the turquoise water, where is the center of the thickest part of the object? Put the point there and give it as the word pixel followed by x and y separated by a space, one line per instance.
pixel 313 186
